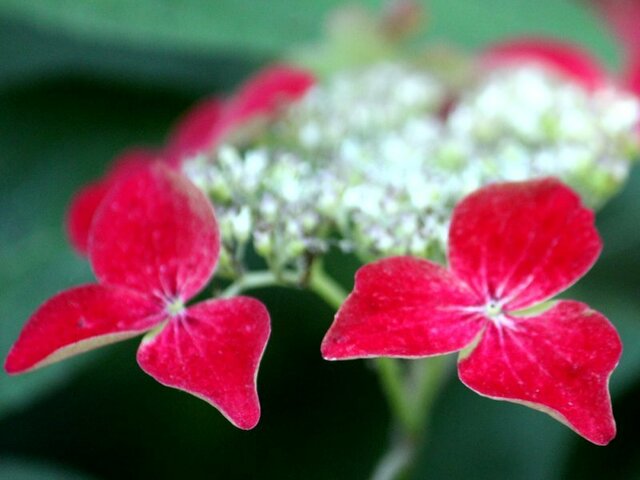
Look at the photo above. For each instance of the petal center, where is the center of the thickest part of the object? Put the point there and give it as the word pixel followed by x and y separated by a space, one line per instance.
pixel 493 309
pixel 175 307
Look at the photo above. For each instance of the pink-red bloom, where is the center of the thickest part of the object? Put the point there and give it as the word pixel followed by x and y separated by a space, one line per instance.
pixel 201 129
pixel 512 246
pixel 153 246
pixel 565 59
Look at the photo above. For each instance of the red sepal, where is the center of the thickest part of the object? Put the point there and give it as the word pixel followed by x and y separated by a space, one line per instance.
pixel 213 351
pixel 155 232
pixel 78 320
pixel 403 307
pixel 80 214
pixel 199 129
pixel 522 242
pixel 558 362
pixel 265 92
pixel 560 57
pixel 632 75
pixel 84 204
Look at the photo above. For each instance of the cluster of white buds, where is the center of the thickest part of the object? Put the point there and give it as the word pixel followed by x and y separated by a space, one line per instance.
pixel 525 122
pixel 374 160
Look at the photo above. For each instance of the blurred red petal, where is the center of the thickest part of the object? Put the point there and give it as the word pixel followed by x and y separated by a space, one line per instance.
pixel 199 129
pixel 558 362
pixel 129 162
pixel 213 352
pixel 84 203
pixel 80 214
pixel 623 16
pixel 632 76
pixel 403 307
pixel 563 58
pixel 157 233
pixel 522 242
pixel 265 92
pixel 78 320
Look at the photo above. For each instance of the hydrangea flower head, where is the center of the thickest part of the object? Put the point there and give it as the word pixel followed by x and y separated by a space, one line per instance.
pixel 153 246
pixel 512 246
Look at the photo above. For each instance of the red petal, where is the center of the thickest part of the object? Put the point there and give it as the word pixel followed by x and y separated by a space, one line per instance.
pixel 130 162
pixel 198 130
pixel 564 58
pixel 403 307
pixel 85 203
pixel 80 214
pixel 558 362
pixel 157 233
pixel 213 352
pixel 78 320
pixel 522 242
pixel 623 17
pixel 632 75
pixel 267 91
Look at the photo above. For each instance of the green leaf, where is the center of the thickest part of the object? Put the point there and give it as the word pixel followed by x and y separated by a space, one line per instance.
pixel 270 28
pixel 17 469
pixel 52 140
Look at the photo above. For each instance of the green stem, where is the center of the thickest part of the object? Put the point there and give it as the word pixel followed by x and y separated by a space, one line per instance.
pixel 391 379
pixel 410 396
pixel 326 287
pixel 419 390
pixel 250 281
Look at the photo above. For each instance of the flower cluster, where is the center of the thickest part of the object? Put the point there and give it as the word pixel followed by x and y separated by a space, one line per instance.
pixel 154 245
pixel 381 155
pixel 387 159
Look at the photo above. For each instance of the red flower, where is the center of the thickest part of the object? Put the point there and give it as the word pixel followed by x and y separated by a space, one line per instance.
pixel 511 247
pixel 565 59
pixel 201 129
pixel 154 244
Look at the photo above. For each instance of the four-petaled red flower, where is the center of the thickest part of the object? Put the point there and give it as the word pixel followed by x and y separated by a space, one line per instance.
pixel 512 246
pixel 153 246
pixel 201 129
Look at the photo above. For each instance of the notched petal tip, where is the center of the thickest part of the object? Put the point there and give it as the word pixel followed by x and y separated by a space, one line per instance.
pixel 213 353
pixel 558 362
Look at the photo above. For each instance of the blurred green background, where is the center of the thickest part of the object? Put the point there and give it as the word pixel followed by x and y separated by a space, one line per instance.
pixel 80 80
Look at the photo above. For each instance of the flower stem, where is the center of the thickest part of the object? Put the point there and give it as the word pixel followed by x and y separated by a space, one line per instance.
pixel 252 280
pixel 391 378
pixel 410 391
pixel 410 394
pixel 326 287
